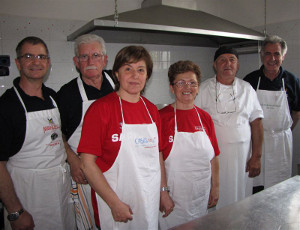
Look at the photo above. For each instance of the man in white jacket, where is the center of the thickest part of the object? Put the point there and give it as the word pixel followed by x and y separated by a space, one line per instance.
pixel 236 112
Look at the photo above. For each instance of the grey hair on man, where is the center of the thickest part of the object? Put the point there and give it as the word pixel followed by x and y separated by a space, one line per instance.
pixel 273 39
pixel 88 38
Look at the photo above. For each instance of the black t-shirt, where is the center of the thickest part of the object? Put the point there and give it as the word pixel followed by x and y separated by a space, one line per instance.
pixel 291 82
pixel 70 102
pixel 13 118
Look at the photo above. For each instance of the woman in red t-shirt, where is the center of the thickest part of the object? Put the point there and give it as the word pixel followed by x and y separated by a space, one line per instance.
pixel 189 148
pixel 119 149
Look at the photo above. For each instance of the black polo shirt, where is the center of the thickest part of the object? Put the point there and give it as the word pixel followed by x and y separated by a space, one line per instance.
pixel 13 118
pixel 70 102
pixel 291 82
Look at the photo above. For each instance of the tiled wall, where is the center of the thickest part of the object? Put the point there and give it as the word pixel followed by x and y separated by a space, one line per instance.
pixel 55 32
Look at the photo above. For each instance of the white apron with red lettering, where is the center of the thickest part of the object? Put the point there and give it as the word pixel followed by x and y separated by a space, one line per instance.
pixel 135 177
pixel 39 173
pixel 188 170
pixel 277 145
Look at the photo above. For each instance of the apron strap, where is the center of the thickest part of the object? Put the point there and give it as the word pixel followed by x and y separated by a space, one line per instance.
pixel 257 87
pixel 200 120
pixel 175 120
pixel 81 89
pixel 20 98
pixel 283 85
pixel 110 80
pixel 121 110
pixel 144 105
pixel 147 109
pixel 282 89
pixel 197 114
pixel 53 102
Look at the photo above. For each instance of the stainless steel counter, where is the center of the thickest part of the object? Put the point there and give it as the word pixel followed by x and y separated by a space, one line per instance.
pixel 276 208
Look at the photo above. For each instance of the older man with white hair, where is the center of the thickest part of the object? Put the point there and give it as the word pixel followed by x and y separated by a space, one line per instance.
pixel 74 98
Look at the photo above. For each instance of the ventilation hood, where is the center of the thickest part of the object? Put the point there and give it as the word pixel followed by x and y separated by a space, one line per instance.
pixel 169 25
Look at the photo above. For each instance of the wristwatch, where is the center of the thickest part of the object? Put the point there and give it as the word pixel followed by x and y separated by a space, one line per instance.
pixel 15 215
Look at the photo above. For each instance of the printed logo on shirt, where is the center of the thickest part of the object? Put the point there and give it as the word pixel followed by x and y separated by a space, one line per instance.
pixel 171 139
pixel 115 137
pixel 54 140
pixel 51 127
pixel 146 142
pixel 269 106
pixel 54 136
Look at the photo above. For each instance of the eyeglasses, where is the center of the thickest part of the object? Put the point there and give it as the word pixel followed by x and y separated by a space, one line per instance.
pixel 31 57
pixel 181 84
pixel 94 56
pixel 227 104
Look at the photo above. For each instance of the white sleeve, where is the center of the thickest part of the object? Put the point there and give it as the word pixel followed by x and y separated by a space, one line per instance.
pixel 256 110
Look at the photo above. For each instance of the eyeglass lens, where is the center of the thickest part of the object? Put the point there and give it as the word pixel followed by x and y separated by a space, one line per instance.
pixel 94 56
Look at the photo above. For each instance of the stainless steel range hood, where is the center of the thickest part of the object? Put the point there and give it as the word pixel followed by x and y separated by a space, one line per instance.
pixel 169 25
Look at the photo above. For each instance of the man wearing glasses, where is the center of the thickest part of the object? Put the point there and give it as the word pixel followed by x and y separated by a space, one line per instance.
pixel 74 98
pixel 236 112
pixel 34 180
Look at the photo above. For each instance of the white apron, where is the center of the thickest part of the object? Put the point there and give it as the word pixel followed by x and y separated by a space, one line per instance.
pixel 188 170
pixel 39 173
pixel 277 145
pixel 135 177
pixel 81 193
pixel 233 133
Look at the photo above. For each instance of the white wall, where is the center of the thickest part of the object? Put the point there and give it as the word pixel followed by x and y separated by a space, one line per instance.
pixel 54 32
pixel 53 20
pixel 85 10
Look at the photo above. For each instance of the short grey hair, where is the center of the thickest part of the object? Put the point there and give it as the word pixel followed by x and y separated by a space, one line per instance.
pixel 273 39
pixel 89 38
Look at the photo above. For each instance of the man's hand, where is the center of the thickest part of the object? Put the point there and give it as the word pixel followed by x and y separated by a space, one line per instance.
pixel 254 163
pixel 75 164
pixel 253 166
pixel 76 172
pixel 24 222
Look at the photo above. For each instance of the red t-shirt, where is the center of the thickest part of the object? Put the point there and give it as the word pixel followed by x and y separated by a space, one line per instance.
pixel 187 121
pixel 102 126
